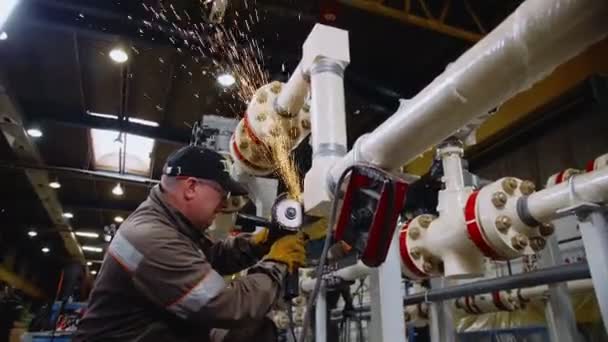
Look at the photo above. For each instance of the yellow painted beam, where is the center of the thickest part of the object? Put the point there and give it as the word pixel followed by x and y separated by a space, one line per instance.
pixel 564 78
pixel 403 16
pixel 18 282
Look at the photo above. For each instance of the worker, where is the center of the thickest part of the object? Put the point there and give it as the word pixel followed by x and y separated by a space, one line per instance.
pixel 162 276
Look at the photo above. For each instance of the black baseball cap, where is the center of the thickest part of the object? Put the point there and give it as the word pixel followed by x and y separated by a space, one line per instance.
pixel 200 162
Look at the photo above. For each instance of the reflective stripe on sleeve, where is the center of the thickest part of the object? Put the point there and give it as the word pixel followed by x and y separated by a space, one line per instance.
pixel 124 253
pixel 192 301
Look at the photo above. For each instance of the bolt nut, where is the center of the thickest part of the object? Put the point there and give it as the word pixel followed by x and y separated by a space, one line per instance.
pixel 416 253
pixel 413 233
pixel 261 117
pixel 262 97
pixel 519 241
pixel 546 229
pixel 276 87
pixel 425 220
pixel 537 243
pixel 503 223
pixel 275 131
pixel 427 267
pixel 509 185
pixel 499 199
pixel 235 201
pixel 306 124
pixel 527 187
pixel 243 145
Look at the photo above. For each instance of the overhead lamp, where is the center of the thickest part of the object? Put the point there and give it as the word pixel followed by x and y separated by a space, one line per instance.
pixel 55 185
pixel 119 55
pixel 118 190
pixel 107 237
pixel 68 215
pixel 34 132
pixel 6 8
pixel 91 235
pixel 93 272
pixel 89 263
pixel 226 80
pixel 118 219
pixel 45 250
pixel 92 249
pixel 3 36
pixel 32 233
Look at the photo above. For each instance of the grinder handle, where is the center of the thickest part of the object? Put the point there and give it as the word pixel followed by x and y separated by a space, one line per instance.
pixel 292 285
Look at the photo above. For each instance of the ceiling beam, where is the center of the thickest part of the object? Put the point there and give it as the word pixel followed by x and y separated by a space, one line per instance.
pixel 11 126
pixel 38 114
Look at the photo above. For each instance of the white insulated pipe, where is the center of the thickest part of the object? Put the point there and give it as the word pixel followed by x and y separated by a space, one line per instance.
pixel 293 94
pixel 349 273
pixel 588 187
pixel 321 317
pixel 574 287
pixel 525 48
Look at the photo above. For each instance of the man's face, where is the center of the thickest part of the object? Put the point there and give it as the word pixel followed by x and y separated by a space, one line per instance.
pixel 205 199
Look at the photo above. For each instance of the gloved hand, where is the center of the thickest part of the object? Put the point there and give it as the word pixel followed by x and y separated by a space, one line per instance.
pixel 289 250
pixel 264 239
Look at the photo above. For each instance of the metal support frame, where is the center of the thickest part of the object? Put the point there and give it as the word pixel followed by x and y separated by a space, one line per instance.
pixel 594 231
pixel 388 323
pixel 440 313
pixel 321 316
pixel 559 313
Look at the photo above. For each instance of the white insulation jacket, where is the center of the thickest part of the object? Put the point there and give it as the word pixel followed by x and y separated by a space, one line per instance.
pixel 539 36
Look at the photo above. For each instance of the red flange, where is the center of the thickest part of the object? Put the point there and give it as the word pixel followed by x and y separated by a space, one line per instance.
pixel 405 255
pixel 474 228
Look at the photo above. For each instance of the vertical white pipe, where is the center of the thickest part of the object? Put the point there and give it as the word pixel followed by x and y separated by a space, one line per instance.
pixel 294 92
pixel 328 116
pixel 590 187
pixel 539 36
pixel 321 316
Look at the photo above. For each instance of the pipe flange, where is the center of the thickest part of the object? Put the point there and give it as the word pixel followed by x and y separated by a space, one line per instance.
pixel 417 263
pixel 493 222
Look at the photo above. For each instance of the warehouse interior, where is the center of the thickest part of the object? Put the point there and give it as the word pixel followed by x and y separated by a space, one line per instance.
pixel 487 120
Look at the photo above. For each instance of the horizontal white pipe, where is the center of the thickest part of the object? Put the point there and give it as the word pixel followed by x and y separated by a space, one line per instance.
pixel 589 187
pixel 294 92
pixel 349 273
pixel 539 36
pixel 574 287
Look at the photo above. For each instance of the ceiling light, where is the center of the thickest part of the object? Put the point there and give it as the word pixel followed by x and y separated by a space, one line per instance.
pixel 88 235
pixel 103 115
pixel 34 132
pixel 45 250
pixel 118 190
pixel 119 55
pixel 144 122
pixel 107 237
pixel 32 233
pixel 118 219
pixel 226 80
pixel 68 215
pixel 55 185
pixel 92 249
pixel 93 272
pixel 89 263
pixel 3 36
pixel 6 7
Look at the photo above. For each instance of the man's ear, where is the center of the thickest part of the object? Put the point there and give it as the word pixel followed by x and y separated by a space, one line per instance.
pixel 190 188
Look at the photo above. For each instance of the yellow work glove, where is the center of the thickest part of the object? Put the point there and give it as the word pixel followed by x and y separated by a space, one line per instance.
pixel 289 250
pixel 260 237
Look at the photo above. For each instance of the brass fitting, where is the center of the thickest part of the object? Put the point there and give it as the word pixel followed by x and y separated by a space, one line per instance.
pixel 546 229
pixel 262 97
pixel 537 243
pixel 413 233
pixel 503 223
pixel 499 199
pixel 276 87
pixel 519 241
pixel 509 185
pixel 425 220
pixel 526 187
